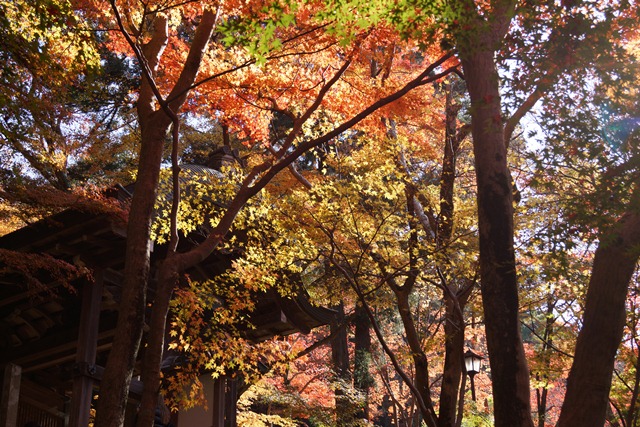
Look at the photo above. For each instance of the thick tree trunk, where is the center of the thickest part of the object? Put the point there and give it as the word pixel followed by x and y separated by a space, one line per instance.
pixel 499 286
pixel 478 37
pixel 589 381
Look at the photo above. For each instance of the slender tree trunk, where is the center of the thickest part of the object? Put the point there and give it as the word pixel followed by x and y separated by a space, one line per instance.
pixel 453 363
pixel 155 344
pixel 448 174
pixel 340 359
pixel 420 362
pixel 589 381
pixel 499 286
pixel 541 400
pixel 114 388
pixel 454 322
pixel 543 392
pixel 362 379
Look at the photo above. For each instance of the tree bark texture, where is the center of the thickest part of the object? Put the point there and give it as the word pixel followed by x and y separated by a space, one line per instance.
pixel 589 382
pixel 120 364
pixel 499 286
pixel 477 39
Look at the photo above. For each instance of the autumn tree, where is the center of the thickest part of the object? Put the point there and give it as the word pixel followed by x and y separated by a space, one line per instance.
pixel 479 32
pixel 379 220
pixel 243 62
pixel 598 170
pixel 164 92
pixel 62 102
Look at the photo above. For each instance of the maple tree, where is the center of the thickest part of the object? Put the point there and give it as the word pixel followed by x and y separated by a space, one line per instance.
pixel 162 94
pixel 50 69
pixel 379 214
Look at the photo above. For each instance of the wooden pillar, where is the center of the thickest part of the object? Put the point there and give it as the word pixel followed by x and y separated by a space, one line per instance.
pixel 86 352
pixel 231 402
pixel 218 406
pixel 10 395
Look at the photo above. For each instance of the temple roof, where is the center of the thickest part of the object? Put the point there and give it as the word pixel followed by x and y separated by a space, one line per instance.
pixel 39 327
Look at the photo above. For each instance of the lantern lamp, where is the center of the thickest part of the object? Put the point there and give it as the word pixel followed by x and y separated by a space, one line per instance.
pixel 472 363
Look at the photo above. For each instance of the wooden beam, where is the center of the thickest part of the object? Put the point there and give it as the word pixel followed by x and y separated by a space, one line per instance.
pixel 10 395
pixel 86 352
pixel 62 359
pixel 28 294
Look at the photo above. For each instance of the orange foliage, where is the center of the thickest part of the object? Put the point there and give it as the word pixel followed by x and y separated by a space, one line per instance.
pixel 242 93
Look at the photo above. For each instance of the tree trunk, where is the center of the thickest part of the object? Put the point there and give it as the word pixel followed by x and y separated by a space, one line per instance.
pixel 114 388
pixel 543 392
pixel 454 322
pixel 154 124
pixel 362 379
pixel 478 37
pixel 589 381
pixel 499 286
pixel 151 375
pixel 340 359
pixel 420 362
pixel 541 400
pixel 453 363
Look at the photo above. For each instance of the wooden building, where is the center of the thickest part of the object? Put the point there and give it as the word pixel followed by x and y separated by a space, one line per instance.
pixel 54 341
